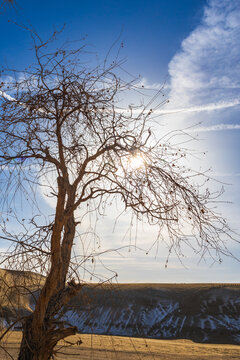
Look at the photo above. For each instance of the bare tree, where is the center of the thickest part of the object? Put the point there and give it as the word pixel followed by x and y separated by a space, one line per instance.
pixel 62 121
pixel 4 3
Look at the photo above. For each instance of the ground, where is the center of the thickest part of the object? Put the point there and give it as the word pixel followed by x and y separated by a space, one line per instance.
pixel 99 347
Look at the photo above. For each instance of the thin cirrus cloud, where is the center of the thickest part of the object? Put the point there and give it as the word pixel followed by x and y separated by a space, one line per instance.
pixel 205 107
pixel 205 73
pixel 218 127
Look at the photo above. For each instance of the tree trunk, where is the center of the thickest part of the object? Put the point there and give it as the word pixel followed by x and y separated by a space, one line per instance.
pixel 40 333
pixel 40 345
pixel 43 348
pixel 29 348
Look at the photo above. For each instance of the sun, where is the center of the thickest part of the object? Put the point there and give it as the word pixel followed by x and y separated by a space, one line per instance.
pixel 136 162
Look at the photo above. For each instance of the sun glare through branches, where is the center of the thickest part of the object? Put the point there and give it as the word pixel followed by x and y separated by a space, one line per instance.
pixel 136 161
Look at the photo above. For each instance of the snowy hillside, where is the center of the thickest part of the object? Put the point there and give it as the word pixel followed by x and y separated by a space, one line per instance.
pixel 199 312
pixel 205 313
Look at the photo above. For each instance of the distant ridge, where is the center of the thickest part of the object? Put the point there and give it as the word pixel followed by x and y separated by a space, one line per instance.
pixel 200 312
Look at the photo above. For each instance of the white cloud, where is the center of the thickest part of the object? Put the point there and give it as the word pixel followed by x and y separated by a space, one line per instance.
pixel 154 86
pixel 207 68
pixel 206 107
pixel 6 96
pixel 218 127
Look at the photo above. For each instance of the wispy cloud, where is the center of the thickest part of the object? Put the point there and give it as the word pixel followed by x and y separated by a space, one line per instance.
pixel 152 86
pixel 207 107
pixel 218 127
pixel 207 67
pixel 6 96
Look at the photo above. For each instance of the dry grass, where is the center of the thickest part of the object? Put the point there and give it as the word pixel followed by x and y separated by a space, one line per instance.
pixel 99 347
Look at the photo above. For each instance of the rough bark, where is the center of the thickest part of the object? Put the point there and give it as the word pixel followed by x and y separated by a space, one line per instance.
pixel 42 349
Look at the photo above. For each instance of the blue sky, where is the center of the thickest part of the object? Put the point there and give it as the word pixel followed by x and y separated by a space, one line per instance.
pixel 190 45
